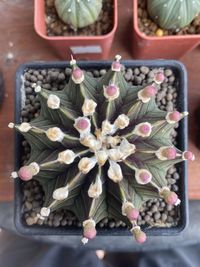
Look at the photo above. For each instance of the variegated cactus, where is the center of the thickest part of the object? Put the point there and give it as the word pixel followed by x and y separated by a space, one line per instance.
pixel 173 14
pixel 101 148
pixel 78 13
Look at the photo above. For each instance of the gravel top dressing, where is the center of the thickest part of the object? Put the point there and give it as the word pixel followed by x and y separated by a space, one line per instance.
pixel 55 27
pixel 150 28
pixel 153 212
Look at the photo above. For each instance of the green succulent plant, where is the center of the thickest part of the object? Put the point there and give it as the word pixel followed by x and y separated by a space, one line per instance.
pixel 78 13
pixel 101 148
pixel 173 14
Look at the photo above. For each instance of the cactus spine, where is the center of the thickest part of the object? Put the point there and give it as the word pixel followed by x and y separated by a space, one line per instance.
pixel 101 148
pixel 173 14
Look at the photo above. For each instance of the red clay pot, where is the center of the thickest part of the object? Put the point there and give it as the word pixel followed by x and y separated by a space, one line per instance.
pixel 82 47
pixel 169 47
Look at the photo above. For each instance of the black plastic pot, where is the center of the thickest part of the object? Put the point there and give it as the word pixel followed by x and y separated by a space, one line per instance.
pixel 107 237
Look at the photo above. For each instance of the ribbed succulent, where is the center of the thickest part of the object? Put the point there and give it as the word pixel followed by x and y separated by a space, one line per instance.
pixel 173 14
pixel 78 13
pixel 101 148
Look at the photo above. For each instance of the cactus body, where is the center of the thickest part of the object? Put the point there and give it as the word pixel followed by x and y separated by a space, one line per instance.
pixel 78 13
pixel 173 14
pixel 100 152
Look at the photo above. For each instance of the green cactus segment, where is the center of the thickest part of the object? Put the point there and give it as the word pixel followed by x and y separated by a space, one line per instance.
pixel 100 148
pixel 149 162
pixel 78 13
pixel 37 136
pixel 95 208
pixel 160 136
pixel 173 14
pixel 109 108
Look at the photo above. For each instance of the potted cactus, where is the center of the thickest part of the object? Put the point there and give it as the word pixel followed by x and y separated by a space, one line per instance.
pixel 100 148
pixel 83 28
pixel 165 29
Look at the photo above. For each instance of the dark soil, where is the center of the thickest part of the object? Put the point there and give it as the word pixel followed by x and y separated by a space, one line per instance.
pixel 150 28
pixel 55 27
pixel 154 212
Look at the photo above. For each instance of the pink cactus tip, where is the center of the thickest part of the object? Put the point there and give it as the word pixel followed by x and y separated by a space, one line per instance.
pixel 175 116
pixel 159 77
pixel 169 153
pixel 149 91
pixel 111 90
pixel 145 177
pixel 90 233
pixel 188 155
pixel 82 124
pixel 139 235
pixel 132 214
pixel 116 66
pixel 171 198
pixel 77 73
pixel 145 128
pixel 25 173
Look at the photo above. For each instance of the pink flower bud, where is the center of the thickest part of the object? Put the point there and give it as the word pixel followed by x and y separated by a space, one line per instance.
pixel 25 173
pixel 169 153
pixel 116 66
pixel 139 235
pixel 89 230
pixel 143 176
pixel 188 155
pixel 132 214
pixel 90 233
pixel 77 75
pixel 143 129
pixel 130 211
pixel 82 124
pixel 111 92
pixel 159 77
pixel 149 91
pixel 175 116
pixel 166 153
pixel 170 197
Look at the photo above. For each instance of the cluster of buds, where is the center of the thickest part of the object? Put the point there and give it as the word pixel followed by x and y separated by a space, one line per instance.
pixel 94 151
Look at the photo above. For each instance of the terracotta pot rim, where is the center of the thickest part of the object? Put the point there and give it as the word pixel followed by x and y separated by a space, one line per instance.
pixel 152 38
pixel 82 37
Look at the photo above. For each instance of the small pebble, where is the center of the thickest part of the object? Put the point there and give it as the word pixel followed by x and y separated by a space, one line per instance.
pixel 30 221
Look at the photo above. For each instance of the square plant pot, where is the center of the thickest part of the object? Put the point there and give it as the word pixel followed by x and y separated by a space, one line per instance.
pixel 106 237
pixel 153 47
pixel 82 47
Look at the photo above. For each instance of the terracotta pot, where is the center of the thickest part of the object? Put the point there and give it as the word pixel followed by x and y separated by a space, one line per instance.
pixel 151 47
pixel 82 47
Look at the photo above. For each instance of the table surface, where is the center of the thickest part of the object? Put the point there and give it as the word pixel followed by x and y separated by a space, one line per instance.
pixel 19 43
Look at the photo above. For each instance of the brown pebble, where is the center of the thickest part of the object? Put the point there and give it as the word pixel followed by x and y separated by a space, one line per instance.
pixel 30 220
pixel 144 70
pixel 157 216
